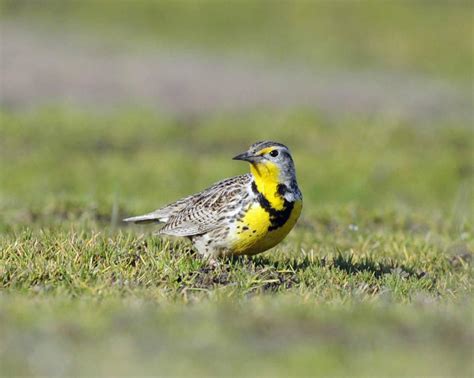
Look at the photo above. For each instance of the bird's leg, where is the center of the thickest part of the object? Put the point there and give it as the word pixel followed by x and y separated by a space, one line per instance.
pixel 213 262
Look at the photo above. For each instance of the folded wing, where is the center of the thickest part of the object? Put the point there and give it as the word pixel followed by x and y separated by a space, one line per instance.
pixel 199 213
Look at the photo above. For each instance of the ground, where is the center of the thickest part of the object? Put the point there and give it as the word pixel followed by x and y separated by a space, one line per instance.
pixel 375 279
pixel 376 275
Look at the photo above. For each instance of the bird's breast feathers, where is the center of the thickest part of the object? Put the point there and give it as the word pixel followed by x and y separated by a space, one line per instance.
pixel 263 227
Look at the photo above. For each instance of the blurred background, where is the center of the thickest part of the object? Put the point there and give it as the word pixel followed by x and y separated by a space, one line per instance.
pixel 114 108
pixel 107 102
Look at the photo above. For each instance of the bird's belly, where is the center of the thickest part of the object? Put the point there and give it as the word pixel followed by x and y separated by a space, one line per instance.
pixel 254 232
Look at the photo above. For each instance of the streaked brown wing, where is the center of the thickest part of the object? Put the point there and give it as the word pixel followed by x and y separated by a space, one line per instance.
pixel 207 210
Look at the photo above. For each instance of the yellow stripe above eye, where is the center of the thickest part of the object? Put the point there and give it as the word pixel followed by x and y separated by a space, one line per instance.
pixel 266 150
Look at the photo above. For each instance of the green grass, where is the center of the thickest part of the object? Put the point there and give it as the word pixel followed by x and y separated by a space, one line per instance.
pixel 429 38
pixel 265 336
pixel 376 279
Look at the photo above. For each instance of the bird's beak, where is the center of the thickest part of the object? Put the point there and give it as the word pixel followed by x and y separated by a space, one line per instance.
pixel 246 156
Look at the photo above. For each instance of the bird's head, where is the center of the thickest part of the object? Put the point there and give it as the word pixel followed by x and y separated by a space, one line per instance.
pixel 270 162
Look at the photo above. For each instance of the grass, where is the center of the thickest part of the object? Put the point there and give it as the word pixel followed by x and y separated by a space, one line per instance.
pixel 264 336
pixel 376 279
pixel 399 36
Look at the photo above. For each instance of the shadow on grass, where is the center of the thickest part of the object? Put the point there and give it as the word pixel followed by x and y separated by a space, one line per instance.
pixel 269 275
pixel 378 269
pixel 342 262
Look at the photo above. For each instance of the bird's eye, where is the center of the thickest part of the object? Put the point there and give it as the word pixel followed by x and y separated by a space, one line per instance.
pixel 274 153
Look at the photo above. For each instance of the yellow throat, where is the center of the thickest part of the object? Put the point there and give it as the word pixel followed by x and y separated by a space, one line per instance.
pixel 267 176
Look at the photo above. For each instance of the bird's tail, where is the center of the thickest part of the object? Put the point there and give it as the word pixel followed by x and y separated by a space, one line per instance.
pixel 146 218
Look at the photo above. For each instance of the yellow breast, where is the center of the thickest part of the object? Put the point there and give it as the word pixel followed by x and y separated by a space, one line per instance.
pixel 256 233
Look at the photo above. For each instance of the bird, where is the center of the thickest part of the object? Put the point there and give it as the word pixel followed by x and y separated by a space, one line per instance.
pixel 242 215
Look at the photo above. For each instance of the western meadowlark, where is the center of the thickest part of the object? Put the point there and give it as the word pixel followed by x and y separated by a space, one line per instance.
pixel 242 215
